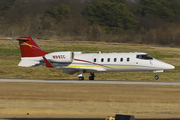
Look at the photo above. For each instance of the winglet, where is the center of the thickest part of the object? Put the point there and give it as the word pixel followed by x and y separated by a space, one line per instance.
pixel 48 64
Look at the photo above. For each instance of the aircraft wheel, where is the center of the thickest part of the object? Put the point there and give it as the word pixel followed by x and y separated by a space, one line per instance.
pixel 81 78
pixel 91 78
pixel 156 77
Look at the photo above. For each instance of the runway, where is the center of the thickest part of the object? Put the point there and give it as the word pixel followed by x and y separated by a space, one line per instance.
pixel 73 119
pixel 92 82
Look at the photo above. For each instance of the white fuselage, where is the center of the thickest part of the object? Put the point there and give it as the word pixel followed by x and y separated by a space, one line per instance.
pixel 102 62
pixel 116 62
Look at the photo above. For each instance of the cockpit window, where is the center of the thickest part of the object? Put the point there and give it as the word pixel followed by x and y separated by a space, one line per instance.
pixel 145 57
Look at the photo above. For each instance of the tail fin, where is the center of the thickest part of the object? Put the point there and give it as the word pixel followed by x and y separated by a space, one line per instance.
pixel 29 47
pixel 31 53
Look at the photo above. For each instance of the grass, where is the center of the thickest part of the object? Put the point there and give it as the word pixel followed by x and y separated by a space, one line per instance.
pixel 10 57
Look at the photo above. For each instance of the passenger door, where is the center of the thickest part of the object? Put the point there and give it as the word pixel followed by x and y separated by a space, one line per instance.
pixel 151 62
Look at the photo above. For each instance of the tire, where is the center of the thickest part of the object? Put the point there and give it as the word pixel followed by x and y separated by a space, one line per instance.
pixel 91 78
pixel 81 78
pixel 156 77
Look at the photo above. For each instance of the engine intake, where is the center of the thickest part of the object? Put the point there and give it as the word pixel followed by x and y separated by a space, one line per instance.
pixel 60 57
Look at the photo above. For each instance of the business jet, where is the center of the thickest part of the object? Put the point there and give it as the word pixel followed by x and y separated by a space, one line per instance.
pixel 79 62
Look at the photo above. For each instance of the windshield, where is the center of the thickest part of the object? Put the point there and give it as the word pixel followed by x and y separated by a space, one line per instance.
pixel 145 57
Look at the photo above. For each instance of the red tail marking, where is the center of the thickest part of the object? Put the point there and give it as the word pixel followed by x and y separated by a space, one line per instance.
pixel 29 48
pixel 48 64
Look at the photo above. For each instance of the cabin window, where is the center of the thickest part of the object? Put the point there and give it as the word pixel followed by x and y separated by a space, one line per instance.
pixel 121 59
pixel 108 59
pixel 94 59
pixel 128 59
pixel 102 59
pixel 115 59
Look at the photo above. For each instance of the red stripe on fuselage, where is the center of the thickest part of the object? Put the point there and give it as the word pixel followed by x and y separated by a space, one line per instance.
pixel 91 63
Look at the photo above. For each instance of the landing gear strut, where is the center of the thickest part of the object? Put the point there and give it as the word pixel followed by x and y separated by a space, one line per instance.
pixel 156 77
pixel 91 77
pixel 80 75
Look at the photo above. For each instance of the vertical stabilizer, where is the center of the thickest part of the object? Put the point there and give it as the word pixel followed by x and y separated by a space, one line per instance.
pixel 29 47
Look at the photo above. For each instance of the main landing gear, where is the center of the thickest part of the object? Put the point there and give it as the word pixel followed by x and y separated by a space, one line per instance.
pixel 81 78
pixel 91 77
pixel 80 75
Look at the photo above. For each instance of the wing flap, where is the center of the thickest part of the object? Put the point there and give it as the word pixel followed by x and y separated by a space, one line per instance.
pixel 69 71
pixel 87 68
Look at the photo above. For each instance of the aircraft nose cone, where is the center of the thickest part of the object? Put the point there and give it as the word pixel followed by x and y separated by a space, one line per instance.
pixel 172 67
pixel 163 65
pixel 169 67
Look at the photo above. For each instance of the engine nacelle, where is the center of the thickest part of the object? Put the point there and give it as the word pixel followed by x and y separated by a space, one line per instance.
pixel 60 57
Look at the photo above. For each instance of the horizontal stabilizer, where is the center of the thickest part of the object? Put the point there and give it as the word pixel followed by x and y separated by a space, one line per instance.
pixel 19 39
pixel 30 61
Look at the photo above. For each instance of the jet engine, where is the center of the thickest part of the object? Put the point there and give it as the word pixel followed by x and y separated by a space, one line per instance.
pixel 60 57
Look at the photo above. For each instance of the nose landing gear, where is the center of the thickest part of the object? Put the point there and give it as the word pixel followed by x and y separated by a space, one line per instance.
pixel 156 77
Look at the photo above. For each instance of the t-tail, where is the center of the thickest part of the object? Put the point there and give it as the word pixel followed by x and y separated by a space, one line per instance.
pixel 31 52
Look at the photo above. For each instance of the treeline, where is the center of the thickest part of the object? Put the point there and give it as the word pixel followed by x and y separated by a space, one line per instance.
pixel 94 18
